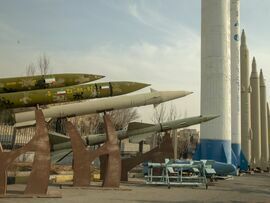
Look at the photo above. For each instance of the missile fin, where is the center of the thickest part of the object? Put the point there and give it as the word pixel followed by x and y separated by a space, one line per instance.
pixel 57 138
pixel 138 125
pixel 152 90
pixel 59 155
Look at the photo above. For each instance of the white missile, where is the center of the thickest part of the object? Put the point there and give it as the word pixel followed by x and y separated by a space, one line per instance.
pixel 235 82
pixel 215 138
pixel 264 123
pixel 246 132
pixel 103 105
pixel 268 119
pixel 255 117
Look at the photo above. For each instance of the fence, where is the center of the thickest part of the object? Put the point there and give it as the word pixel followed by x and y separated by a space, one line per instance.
pixel 12 138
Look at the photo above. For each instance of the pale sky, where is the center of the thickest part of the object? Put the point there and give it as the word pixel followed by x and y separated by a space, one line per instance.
pixel 152 41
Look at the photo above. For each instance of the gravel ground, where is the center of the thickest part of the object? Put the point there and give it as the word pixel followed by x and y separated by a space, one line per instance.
pixel 247 188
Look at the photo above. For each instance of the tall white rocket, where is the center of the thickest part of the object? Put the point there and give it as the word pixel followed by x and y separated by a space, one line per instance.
pixel 215 140
pixel 246 132
pixel 235 82
pixel 255 106
pixel 264 124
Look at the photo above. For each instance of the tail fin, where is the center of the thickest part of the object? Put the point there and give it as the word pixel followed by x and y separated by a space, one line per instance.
pixel 59 155
pixel 138 125
pixel 57 138
pixel 140 137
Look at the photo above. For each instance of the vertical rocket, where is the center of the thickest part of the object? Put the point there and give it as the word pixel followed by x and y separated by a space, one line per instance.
pixel 235 82
pixel 268 119
pixel 255 117
pixel 245 105
pixel 215 140
pixel 264 124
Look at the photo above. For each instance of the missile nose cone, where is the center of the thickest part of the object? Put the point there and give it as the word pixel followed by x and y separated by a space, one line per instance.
pixel 254 68
pixel 243 38
pixel 262 82
pixel 120 88
pixel 211 117
pixel 170 95
pixel 254 64
pixel 91 77
pixel 188 93
pixel 85 78
pixel 99 77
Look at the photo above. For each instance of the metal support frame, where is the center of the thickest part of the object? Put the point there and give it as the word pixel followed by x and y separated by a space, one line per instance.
pixel 39 178
pixel 158 154
pixel 83 157
pixel 172 174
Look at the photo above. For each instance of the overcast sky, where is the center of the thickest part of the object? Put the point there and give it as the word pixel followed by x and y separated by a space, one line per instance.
pixel 152 41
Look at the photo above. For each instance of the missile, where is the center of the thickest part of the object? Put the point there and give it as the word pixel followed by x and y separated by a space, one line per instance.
pixel 215 136
pixel 135 132
pixel 235 82
pixel 67 94
pixel 268 120
pixel 246 132
pixel 103 105
pixel 264 124
pixel 255 117
pixel 18 84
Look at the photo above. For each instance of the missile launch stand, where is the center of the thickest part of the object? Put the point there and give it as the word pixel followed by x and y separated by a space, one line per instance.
pixel 173 174
pixel 83 157
pixel 37 184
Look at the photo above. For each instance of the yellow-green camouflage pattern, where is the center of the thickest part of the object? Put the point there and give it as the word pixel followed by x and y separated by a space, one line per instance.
pixel 67 94
pixel 17 84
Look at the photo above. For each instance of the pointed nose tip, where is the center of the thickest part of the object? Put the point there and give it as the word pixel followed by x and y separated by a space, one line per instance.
pixel 141 85
pixel 99 76
pixel 211 117
pixel 188 93
pixel 134 86
pixel 120 88
pixel 170 95
pixel 91 77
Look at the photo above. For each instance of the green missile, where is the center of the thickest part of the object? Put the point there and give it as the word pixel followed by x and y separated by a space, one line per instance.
pixel 61 145
pixel 67 94
pixel 17 84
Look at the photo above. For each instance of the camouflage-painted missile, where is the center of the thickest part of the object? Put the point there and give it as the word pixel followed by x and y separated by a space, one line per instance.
pixel 136 132
pixel 67 94
pixel 18 84
pixel 100 105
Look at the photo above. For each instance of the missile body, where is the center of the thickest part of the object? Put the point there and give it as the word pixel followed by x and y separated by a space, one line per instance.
pixel 255 117
pixel 67 94
pixel 18 84
pixel 264 124
pixel 102 105
pixel 246 131
pixel 135 132
pixel 268 119
pixel 215 138
pixel 235 82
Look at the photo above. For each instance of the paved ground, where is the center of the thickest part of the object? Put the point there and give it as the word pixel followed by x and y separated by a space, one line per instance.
pixel 248 188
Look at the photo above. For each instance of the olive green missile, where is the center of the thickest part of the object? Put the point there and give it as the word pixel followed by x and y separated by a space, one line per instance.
pixel 135 132
pixel 18 84
pixel 67 94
